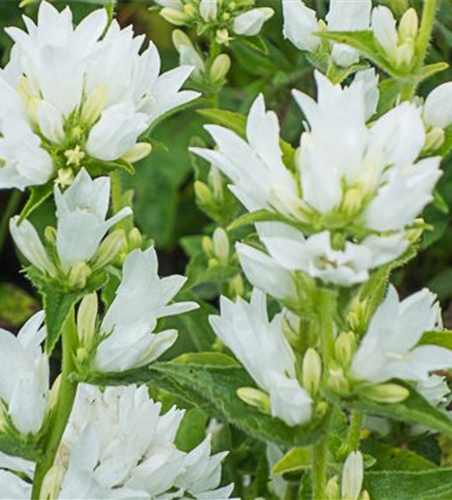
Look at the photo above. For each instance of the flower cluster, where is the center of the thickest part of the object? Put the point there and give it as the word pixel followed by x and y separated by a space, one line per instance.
pixel 118 444
pixel 65 105
pixel 222 18
pixel 351 194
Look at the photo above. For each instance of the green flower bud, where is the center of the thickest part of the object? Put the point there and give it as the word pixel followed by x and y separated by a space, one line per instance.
pixel 338 381
pixel 220 68
pixel 312 371
pixel 138 152
pixel 135 238
pixel 222 37
pixel 94 105
pixel 344 348
pixel 50 235
pixel 203 193
pixel 180 39
pixel 52 482
pixel 78 275
pixel 332 491
pixel 405 54
pixel 174 16
pixel 435 139
pixel 408 26
pixel 255 398
pixel 221 245
pixel 86 319
pixel 387 393
pixel 109 249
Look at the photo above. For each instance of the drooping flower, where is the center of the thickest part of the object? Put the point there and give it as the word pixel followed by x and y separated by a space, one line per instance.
pixel 300 26
pixel 127 330
pixel 71 93
pixel 246 330
pixel 81 226
pixel 24 377
pixel 389 348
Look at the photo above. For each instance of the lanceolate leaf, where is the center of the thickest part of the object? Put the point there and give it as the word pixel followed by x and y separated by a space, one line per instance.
pixel 215 388
pixel 58 303
pixel 435 484
pixel 414 410
pixel 442 338
pixel 38 195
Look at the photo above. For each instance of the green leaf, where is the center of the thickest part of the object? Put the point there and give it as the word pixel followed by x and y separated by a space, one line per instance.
pixel 432 69
pixel 366 43
pixel 389 93
pixel 38 195
pixel 206 358
pixel 23 447
pixel 255 43
pixel 214 389
pixel 440 203
pixel 97 167
pixel 414 410
pixel 251 218
pixel 446 148
pixel 409 485
pixel 192 430
pixel 392 458
pixel 297 459
pixel 441 338
pixel 58 303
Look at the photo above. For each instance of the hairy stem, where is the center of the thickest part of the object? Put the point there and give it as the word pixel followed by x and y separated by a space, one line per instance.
pixel 319 465
pixel 426 30
pixel 10 210
pixel 354 432
pixel 63 408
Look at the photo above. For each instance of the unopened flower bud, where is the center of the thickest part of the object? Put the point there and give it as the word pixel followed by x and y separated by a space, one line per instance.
pixel 236 286
pixel 86 319
pixel 138 152
pixel 352 476
pixel 220 68
pixel 312 371
pixel 222 36
pixel 207 246
pixel 79 274
pixel 409 25
pixel 221 245
pixel 208 9
pixel 54 391
pixel 344 348
pixel 255 398
pixel 387 393
pixel 52 483
pixel 404 54
pixel 332 491
pixel 203 193
pixel 50 235
pixel 135 238
pixel 216 183
pixel 180 39
pixel 94 104
pixel 109 249
pixel 174 16
pixel 435 139
pixel 212 263
pixel 338 381
pixel 364 495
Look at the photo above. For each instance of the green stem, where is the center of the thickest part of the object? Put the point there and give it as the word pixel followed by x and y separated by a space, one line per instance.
pixel 319 464
pixel 10 210
pixel 63 408
pixel 354 432
pixel 116 192
pixel 326 333
pixel 426 30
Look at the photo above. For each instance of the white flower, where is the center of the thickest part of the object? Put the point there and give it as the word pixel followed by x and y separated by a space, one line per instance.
pixel 343 162
pixel 434 389
pixel 290 251
pixel 352 476
pixel 72 75
pixel 141 300
pixel 255 167
pixel 250 23
pixel 384 28
pixel 24 375
pixel 438 106
pixel 118 443
pixel 300 24
pixel 81 214
pixel 260 345
pixel 81 225
pixel 389 348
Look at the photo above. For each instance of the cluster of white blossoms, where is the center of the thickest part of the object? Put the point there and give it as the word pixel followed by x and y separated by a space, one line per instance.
pixel 65 105
pixel 352 194
pixel 119 445
pixel 223 18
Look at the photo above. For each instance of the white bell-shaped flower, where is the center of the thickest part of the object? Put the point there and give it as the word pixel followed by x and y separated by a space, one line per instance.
pixel 260 345
pixel 127 330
